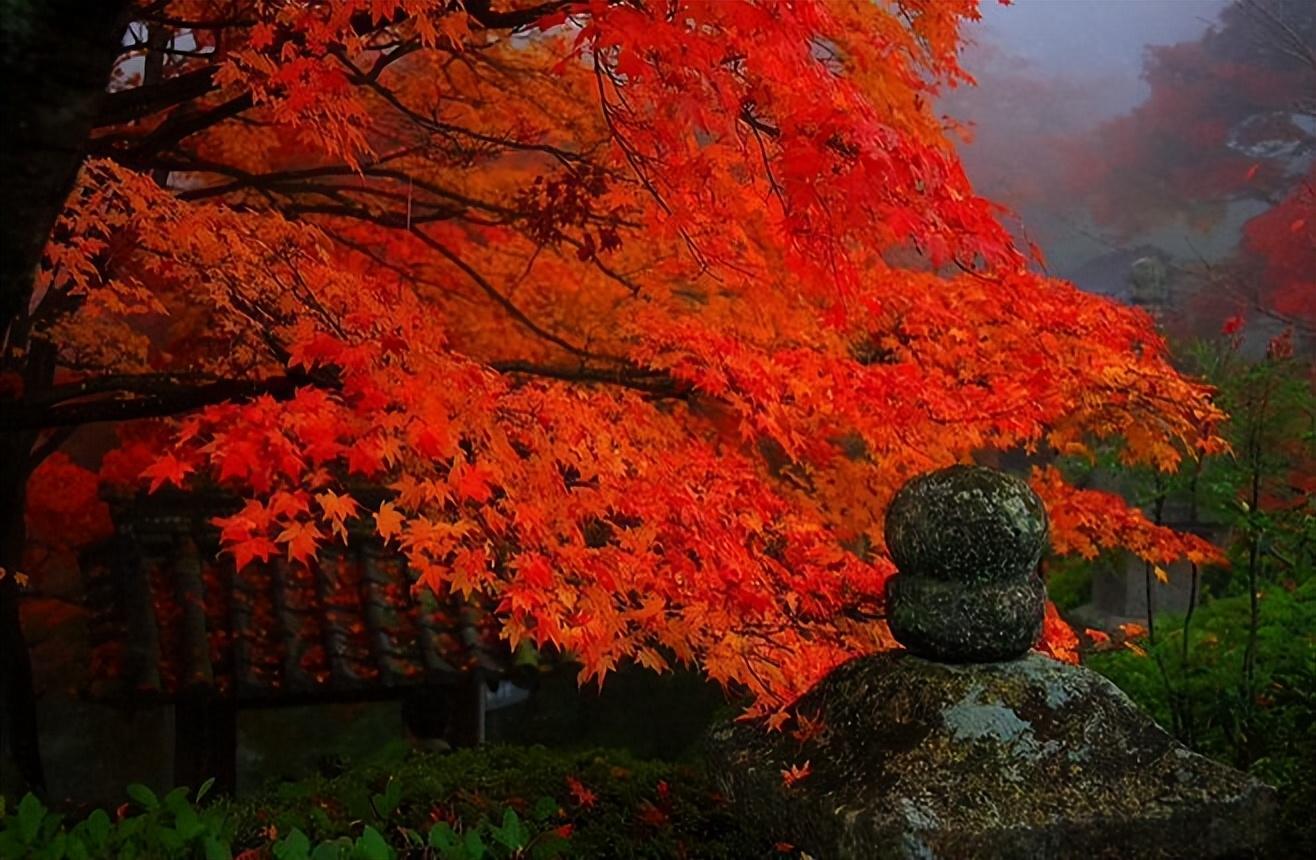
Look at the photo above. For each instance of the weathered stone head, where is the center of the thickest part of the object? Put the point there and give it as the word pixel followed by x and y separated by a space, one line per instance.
pixel 966 541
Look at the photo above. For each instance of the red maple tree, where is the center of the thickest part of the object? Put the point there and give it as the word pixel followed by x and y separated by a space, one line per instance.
pixel 641 312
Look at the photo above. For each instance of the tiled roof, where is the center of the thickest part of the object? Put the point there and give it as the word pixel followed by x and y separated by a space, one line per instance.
pixel 169 611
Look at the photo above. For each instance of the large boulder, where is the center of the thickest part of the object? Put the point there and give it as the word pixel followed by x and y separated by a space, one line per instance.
pixel 1028 758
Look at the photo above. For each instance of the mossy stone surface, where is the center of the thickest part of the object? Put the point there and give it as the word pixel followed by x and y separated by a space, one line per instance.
pixel 967 524
pixel 1026 758
pixel 966 624
pixel 966 540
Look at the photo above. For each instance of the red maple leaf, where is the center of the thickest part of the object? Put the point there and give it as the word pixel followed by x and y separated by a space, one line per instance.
pixel 167 469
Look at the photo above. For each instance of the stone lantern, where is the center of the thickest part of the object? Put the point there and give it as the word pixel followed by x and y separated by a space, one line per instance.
pixel 967 744
pixel 1149 284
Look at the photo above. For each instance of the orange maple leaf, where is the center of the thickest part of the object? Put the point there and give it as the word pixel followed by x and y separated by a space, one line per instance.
pixel 795 773
pixel 337 509
pixel 473 483
pixel 388 521
pixel 255 547
pixel 583 796
pixel 302 539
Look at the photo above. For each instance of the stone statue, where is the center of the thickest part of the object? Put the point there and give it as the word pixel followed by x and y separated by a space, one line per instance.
pixel 1149 282
pixel 966 744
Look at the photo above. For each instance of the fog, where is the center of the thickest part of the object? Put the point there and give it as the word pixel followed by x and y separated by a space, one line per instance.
pixel 1049 73
pixel 1121 130
pixel 1083 60
pixel 1096 42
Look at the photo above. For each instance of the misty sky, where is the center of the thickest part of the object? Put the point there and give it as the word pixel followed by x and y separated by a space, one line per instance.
pixel 1098 39
pixel 1098 45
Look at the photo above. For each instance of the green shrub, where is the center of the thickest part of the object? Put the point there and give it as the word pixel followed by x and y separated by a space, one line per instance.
pixel 610 804
pixel 491 803
pixel 171 826
pixel 1266 725
pixel 1069 582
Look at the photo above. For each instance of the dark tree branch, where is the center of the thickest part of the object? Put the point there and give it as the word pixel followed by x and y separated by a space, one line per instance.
pixel 140 102
pixel 399 220
pixel 502 301
pixel 172 131
pixel 189 24
pixel 123 383
pixel 483 12
pixel 1290 41
pixel 52 442
pixel 55 57
pixel 149 398
pixel 283 181
pixel 371 81
pixel 639 379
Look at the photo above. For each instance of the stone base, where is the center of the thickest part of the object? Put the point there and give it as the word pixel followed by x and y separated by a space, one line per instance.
pixel 1028 758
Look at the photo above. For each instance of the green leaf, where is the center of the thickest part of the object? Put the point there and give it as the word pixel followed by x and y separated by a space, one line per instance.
pixel 443 838
pixel 204 789
pixel 57 847
pixel 50 826
pixel 294 846
pixel 474 845
pixel 98 827
pixel 169 840
pixel 9 844
pixel 371 846
pixel 175 800
pixel 76 849
pixel 144 796
pixel 544 809
pixel 334 850
pixel 549 846
pixel 357 800
pixel 215 849
pixel 386 804
pixel 321 820
pixel 511 834
pixel 187 823
pixel 30 813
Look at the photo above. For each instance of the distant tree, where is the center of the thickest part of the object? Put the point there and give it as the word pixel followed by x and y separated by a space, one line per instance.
pixel 1230 119
pixel 642 312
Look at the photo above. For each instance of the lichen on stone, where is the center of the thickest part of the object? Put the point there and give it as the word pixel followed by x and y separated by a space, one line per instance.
pixel 1023 758
pixel 966 541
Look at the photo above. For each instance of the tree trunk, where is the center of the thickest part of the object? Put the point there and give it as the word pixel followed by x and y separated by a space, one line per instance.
pixel 55 60
pixel 205 739
pixel 18 702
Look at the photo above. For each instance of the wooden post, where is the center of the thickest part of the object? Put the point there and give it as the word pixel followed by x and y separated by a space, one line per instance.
pixel 466 713
pixel 205 739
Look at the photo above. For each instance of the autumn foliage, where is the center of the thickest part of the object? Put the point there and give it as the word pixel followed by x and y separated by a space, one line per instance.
pixel 640 313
